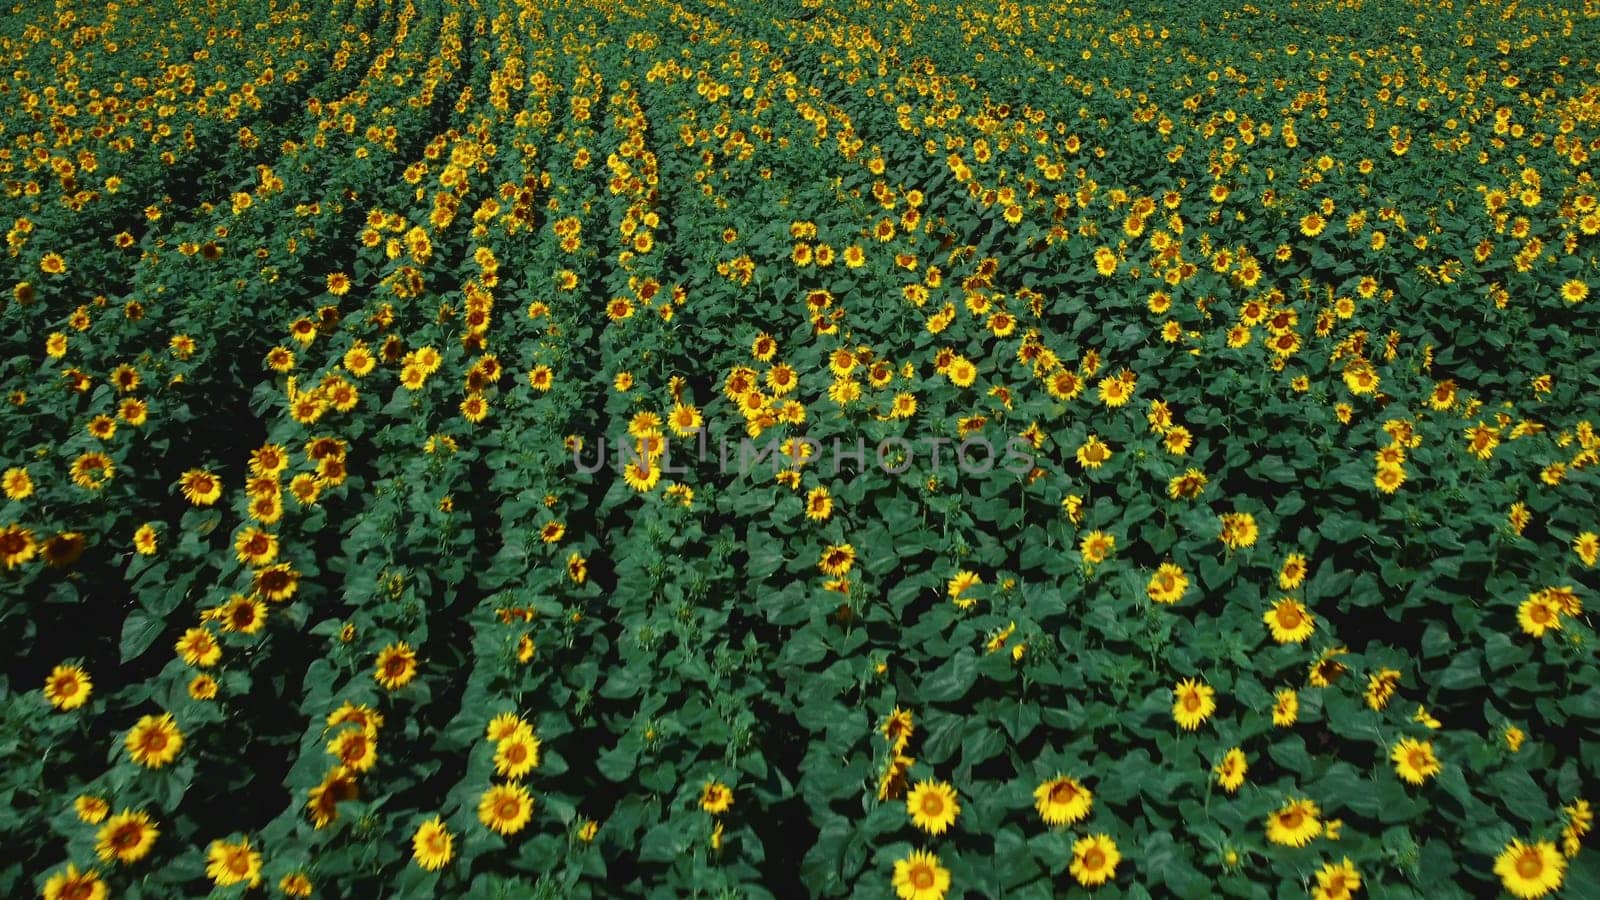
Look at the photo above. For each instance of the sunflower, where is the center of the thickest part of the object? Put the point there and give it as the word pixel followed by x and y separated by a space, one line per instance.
pixel 1574 291
pixel 819 505
pixel 254 547
pixel 892 782
pixel 1587 546
pixel 154 741
pixel 932 806
pixel 1062 801
pixel 685 420
pixel 17 545
pixel 1337 881
pixel 91 810
pixel 897 728
pixel 432 845
pixel 228 864
pixel 1381 686
pixel 1231 770
pixel 1064 385
pixel 475 408
pixel 71 884
pixel 360 714
pixel 517 754
pixel 1094 860
pixel 200 487
pixel 1327 669
pixel 1388 479
pixel 355 748
pixel 1193 703
pixel 503 725
pixel 243 614
pixel 716 798
pixel 920 877
pixel 16 483
pixel 134 411
pixel 276 583
pixel 1530 870
pixel 505 808
pixel 1096 547
pixel 280 359
pixel 199 647
pixel 322 803
pixel 1294 824
pixel 540 378
pixel 396 665
pixel 1482 440
pixel 126 837
pixel 1115 391
pixel 1289 621
pixel 836 560
pixel 1426 718
pixel 960 584
pixel 1094 453
pixel 124 378
pixel 295 884
pixel 1580 821
pixel 1538 614
pixel 1167 584
pixel 358 360
pixel 203 687
pixel 641 474
pixel 68 687
pixel 91 471
pixel 1293 572
pixel 1414 760
pixel 1238 530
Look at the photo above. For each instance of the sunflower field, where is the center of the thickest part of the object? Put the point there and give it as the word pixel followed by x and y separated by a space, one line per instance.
pixel 880 448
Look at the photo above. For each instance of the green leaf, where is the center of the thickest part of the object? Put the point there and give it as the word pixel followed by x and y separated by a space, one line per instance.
pixel 139 631
pixel 951 681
